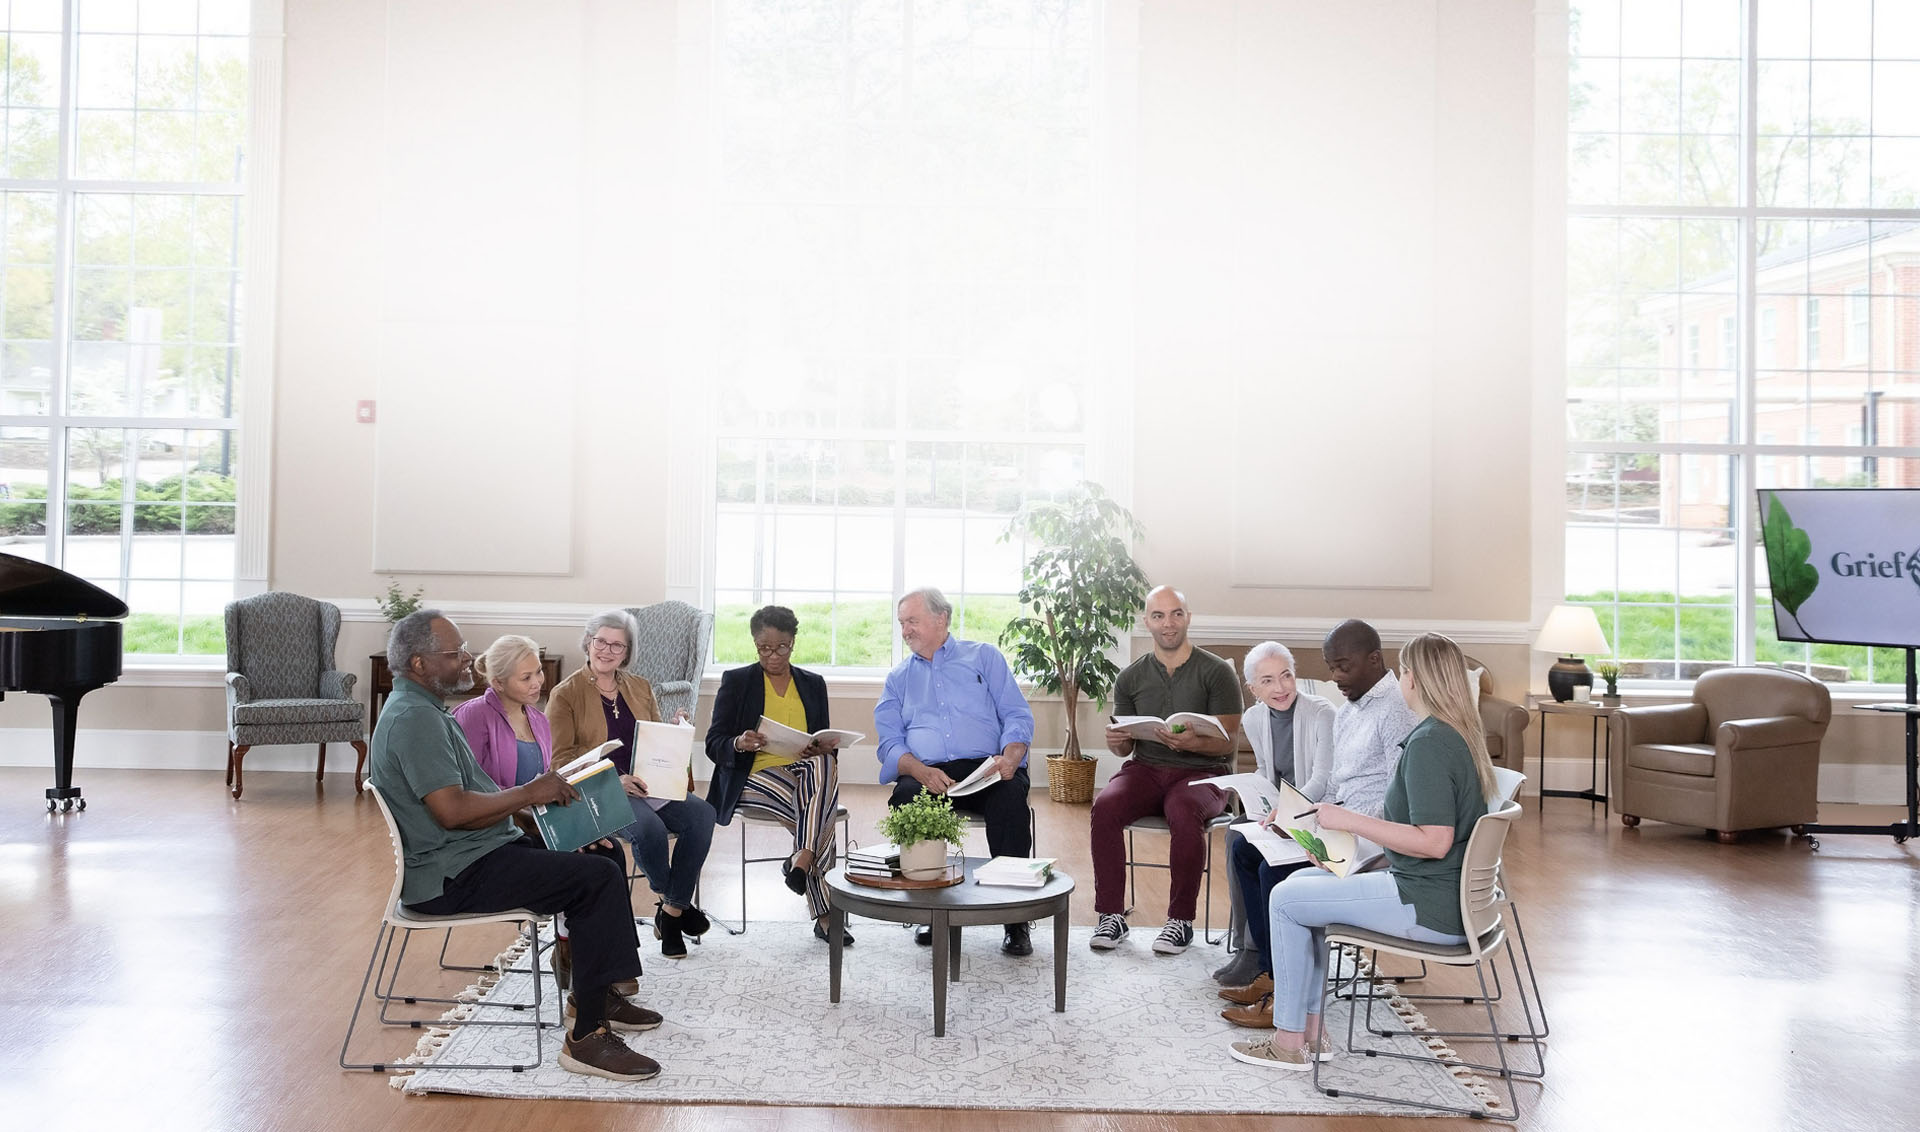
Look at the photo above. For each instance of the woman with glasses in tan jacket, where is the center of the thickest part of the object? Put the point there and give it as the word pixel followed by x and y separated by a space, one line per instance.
pixel 601 701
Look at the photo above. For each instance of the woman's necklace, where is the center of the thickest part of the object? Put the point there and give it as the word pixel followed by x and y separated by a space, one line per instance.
pixel 612 697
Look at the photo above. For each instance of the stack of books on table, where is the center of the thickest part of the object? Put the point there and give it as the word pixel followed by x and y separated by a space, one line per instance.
pixel 1020 872
pixel 874 861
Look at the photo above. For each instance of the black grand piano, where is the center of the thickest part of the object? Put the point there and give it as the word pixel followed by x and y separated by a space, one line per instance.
pixel 52 644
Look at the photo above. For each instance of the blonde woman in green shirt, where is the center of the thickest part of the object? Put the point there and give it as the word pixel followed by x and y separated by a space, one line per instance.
pixel 1439 790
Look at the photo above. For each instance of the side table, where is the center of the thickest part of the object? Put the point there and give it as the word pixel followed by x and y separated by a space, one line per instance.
pixel 1601 712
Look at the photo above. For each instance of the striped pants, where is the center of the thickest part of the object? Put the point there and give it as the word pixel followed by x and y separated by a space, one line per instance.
pixel 802 796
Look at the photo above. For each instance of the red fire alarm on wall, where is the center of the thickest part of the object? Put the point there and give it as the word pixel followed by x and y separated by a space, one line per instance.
pixel 363 412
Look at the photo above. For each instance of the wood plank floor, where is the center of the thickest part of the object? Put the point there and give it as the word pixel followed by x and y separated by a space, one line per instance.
pixel 172 959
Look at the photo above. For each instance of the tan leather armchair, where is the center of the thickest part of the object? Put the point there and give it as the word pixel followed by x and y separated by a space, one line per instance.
pixel 1745 754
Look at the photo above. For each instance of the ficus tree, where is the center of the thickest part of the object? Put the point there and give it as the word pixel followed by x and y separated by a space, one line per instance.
pixel 1078 591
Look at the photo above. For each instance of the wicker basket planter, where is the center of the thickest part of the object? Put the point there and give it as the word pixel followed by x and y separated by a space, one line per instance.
pixel 1070 780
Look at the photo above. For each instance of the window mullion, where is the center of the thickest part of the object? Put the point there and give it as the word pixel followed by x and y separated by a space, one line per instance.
pixel 1746 384
pixel 60 350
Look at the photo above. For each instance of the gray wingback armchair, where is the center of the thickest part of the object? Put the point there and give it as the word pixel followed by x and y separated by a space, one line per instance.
pixel 1744 754
pixel 282 686
pixel 672 653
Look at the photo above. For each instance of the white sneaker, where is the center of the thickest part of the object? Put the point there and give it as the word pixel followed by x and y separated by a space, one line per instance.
pixel 1174 938
pixel 1264 1052
pixel 1108 935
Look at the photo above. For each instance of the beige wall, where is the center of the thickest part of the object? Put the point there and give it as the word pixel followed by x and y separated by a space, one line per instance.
pixel 1217 297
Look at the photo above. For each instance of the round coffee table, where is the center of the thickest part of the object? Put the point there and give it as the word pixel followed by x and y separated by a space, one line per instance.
pixel 946 911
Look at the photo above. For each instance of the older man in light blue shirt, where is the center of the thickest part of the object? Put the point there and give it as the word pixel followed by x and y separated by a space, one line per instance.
pixel 946 710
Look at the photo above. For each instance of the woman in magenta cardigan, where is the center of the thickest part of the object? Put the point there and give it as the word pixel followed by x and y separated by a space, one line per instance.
pixel 510 737
pixel 513 743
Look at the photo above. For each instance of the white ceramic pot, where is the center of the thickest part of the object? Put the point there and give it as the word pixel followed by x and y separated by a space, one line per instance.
pixel 923 860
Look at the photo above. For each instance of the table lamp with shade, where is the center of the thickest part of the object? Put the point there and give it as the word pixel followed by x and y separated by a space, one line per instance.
pixel 1570 632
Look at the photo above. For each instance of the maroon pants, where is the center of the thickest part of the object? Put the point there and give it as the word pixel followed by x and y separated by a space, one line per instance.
pixel 1140 791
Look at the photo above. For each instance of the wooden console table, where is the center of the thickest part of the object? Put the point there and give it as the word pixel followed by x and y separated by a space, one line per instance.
pixel 381 685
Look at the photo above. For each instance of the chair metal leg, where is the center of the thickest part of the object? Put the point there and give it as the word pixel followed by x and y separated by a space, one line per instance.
pixel 1533 1032
pixel 1206 923
pixel 378 968
pixel 839 846
pixel 1493 1033
pixel 1512 1112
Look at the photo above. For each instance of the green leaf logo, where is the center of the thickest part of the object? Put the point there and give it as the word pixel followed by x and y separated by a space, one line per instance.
pixel 1793 577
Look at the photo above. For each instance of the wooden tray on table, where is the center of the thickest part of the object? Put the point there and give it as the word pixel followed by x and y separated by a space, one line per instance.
pixel 953 875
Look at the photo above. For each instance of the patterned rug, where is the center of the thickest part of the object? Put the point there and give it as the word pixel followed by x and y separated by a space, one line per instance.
pixel 748 1022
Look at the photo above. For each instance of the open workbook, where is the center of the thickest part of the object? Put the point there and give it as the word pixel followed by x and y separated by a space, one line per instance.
pixel 788 743
pixel 983 776
pixel 1295 833
pixel 1142 726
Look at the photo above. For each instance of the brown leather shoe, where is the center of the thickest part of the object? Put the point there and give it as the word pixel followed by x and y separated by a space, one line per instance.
pixel 1258 1016
pixel 627 987
pixel 600 1054
pixel 1251 993
pixel 621 1014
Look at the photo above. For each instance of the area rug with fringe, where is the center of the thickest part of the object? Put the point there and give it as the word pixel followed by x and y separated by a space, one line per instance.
pixel 748 1021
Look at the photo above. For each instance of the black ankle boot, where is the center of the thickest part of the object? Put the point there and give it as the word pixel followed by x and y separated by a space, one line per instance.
pixel 666 929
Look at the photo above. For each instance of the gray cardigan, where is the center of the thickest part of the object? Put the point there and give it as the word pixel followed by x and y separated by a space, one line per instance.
pixel 1312 735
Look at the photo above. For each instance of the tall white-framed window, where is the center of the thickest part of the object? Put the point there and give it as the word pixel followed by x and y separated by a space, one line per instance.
pixel 123 213
pixel 1729 160
pixel 906 199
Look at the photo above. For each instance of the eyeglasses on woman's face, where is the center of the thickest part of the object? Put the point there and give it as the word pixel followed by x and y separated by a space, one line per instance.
pixel 601 644
pixel 781 649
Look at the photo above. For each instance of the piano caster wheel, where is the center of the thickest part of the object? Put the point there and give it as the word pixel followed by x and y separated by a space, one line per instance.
pixel 83 805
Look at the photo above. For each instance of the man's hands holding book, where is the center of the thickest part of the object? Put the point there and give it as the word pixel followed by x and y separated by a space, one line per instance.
pixel 549 789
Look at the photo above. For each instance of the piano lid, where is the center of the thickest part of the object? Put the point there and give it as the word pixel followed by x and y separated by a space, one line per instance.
pixel 35 589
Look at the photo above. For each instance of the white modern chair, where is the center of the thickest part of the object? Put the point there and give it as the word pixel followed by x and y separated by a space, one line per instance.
pixel 384 965
pixel 1481 902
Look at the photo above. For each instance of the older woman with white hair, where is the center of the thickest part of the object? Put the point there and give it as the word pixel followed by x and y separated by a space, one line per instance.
pixel 601 701
pixel 1291 732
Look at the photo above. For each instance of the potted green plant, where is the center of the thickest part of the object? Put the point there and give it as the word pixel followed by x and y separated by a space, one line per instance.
pixel 1609 671
pixel 1081 589
pixel 923 828
pixel 397 603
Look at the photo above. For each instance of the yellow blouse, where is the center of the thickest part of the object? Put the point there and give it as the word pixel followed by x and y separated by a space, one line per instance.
pixel 785 709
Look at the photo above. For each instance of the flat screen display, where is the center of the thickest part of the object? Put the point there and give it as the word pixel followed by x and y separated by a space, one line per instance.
pixel 1843 564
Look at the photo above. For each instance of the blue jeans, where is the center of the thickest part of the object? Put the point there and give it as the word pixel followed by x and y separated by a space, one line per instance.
pixel 1253 879
pixel 692 822
pixel 1301 908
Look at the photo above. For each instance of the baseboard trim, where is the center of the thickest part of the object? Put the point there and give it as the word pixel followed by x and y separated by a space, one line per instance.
pixel 1844 783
